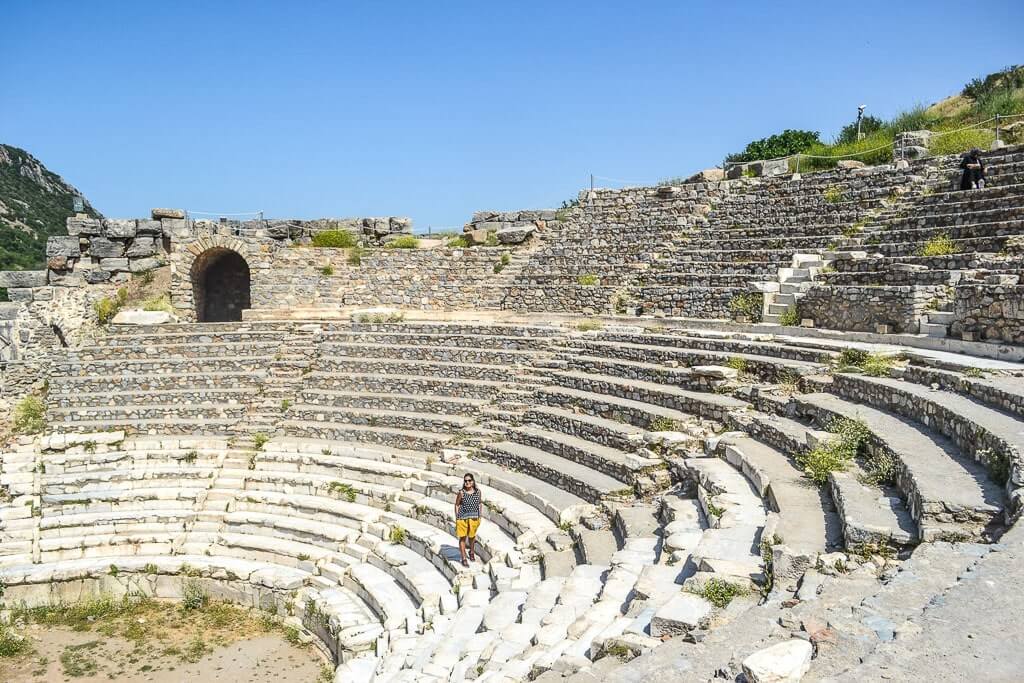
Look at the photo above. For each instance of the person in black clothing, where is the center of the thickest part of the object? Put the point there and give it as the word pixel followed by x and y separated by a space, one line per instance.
pixel 974 170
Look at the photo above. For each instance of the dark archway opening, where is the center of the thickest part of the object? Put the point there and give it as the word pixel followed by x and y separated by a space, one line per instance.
pixel 220 286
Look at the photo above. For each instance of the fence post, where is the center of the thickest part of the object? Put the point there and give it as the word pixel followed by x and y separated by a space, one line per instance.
pixel 997 130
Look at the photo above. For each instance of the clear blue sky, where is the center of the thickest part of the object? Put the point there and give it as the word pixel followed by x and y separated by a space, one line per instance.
pixel 436 109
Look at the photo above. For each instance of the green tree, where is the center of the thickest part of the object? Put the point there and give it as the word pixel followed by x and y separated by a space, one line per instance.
pixel 781 144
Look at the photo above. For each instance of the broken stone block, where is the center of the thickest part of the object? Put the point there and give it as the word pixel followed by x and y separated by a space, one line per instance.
pixel 785 662
pixel 515 234
pixel 97 275
pixel 175 228
pixel 681 614
pixel 144 227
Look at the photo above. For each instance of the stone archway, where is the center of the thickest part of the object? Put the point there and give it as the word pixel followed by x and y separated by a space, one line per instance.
pixel 220 285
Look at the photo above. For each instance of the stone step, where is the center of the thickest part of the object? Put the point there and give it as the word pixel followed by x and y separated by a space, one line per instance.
pixel 618 464
pixel 808 523
pixel 948 494
pixel 612 433
pixel 871 514
pixel 933 330
pixel 578 479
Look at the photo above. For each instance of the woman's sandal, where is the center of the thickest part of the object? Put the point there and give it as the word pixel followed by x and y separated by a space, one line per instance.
pixel 472 556
pixel 464 563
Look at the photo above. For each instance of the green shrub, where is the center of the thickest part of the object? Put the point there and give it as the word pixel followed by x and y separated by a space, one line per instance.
pixel 259 440
pixel 107 307
pixel 505 259
pixel 779 145
pixel 789 318
pixel 1003 80
pixel 664 424
pixel 355 256
pixel 492 239
pixel 872 150
pixel 13 644
pixel 720 592
pixel 397 535
pixel 835 454
pixel 158 303
pixel 327 270
pixel 833 194
pixel 342 489
pixel 334 239
pixel 868 125
pixel 589 325
pixel 748 304
pixel 460 242
pixel 193 597
pixel 736 363
pixel 852 357
pixel 498 267
pixel 403 242
pixel 961 141
pixel 588 280
pixel 29 416
pixel 940 245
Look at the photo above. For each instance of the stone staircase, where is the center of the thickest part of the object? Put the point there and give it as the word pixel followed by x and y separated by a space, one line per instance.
pixel 781 296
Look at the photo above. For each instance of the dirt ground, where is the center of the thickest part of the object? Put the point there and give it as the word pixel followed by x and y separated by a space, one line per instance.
pixel 140 640
pixel 62 654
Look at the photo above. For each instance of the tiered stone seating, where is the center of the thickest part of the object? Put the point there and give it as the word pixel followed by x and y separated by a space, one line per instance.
pixel 622 471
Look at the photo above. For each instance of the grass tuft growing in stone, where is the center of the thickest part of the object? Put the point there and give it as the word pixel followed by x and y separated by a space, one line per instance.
pixel 589 325
pixel 588 280
pixel 403 242
pixel 342 489
pixel 940 245
pixel 748 305
pixel 836 454
pixel 259 440
pixel 397 535
pixel 664 424
pixel 720 592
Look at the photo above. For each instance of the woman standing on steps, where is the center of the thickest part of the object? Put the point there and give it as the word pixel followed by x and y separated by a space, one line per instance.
pixel 467 517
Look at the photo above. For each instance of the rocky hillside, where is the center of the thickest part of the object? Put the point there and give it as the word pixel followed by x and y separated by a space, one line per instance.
pixel 34 203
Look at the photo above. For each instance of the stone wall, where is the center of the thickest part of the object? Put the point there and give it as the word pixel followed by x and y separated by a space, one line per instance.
pixel 864 309
pixel 990 311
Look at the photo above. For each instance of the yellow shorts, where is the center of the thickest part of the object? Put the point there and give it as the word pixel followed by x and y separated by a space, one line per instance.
pixel 467 527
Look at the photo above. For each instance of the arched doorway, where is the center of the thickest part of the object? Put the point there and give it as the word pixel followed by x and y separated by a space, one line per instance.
pixel 220 285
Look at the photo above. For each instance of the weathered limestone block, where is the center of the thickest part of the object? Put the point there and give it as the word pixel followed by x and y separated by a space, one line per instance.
pixel 175 228
pixel 119 228
pixel 97 275
pixel 157 214
pixel 136 317
pixel 144 227
pixel 63 246
pixel 141 246
pixel 101 247
pixel 681 614
pixel 84 226
pixel 114 265
pixel 22 278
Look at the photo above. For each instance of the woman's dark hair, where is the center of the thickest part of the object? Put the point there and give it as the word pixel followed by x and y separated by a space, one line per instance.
pixel 469 476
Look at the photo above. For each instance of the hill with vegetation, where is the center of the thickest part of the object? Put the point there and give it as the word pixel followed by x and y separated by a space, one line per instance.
pixel 34 203
pixel 963 121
